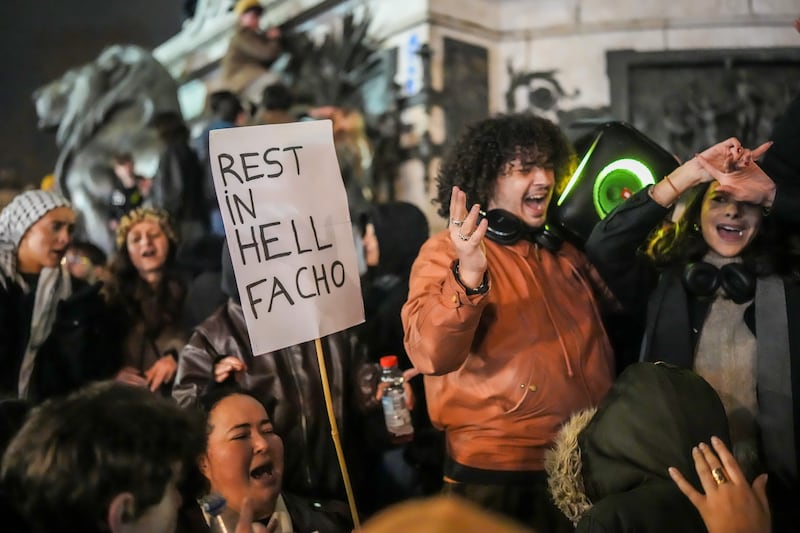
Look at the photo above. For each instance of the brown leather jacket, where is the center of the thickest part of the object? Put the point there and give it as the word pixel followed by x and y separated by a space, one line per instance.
pixel 505 369
pixel 288 382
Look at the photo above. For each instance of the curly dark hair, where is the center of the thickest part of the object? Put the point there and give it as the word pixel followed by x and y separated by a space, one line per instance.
pixel 773 250
pixel 486 149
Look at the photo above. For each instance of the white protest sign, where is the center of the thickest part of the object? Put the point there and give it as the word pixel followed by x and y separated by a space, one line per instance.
pixel 288 228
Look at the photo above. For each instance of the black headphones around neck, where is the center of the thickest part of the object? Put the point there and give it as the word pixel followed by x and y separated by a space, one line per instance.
pixel 505 228
pixel 703 279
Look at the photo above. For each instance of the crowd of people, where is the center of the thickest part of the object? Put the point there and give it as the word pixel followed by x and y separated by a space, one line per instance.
pixel 132 400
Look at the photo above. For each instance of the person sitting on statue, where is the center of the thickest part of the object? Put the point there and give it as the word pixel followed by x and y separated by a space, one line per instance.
pixel 251 52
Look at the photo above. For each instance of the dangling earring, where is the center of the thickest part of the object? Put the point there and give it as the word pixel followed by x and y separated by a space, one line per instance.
pixel 696 227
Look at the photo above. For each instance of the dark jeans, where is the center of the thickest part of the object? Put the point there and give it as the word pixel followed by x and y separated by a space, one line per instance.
pixel 528 504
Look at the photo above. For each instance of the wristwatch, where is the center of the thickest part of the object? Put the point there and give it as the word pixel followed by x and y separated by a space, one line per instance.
pixel 480 289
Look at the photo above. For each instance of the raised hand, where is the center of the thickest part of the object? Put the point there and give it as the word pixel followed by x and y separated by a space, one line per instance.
pixel 730 504
pixel 743 179
pixel 466 234
pixel 226 366
pixel 724 155
pixel 246 524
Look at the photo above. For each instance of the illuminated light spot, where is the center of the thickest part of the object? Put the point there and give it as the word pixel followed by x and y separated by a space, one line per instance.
pixel 615 182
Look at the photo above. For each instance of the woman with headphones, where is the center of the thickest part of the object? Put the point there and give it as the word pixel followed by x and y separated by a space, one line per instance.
pixel 716 291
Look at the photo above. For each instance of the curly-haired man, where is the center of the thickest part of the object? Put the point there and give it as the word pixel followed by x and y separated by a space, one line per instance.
pixel 503 318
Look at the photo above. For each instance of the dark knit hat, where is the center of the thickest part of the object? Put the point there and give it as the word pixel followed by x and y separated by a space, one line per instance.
pixel 24 211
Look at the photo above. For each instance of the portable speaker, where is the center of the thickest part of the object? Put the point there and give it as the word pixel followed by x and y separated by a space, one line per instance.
pixel 620 161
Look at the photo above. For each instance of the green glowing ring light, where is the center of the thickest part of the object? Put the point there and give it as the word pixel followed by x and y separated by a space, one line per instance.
pixel 615 179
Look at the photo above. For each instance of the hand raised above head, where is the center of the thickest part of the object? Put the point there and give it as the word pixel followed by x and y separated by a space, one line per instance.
pixel 744 180
pixel 466 234
pixel 724 154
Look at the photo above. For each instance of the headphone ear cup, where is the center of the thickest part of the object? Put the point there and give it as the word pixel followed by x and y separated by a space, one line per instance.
pixel 739 284
pixel 504 228
pixel 701 279
pixel 548 240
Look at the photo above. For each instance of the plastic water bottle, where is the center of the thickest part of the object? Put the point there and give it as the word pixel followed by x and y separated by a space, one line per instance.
pixel 395 409
pixel 213 504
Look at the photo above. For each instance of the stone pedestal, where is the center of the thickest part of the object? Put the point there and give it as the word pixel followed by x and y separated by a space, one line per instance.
pixel 482 57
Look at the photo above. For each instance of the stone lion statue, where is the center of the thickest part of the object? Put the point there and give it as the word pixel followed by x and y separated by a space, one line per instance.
pixel 98 109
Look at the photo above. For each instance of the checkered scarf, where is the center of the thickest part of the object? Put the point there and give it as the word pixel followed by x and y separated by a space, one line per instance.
pixel 15 220
pixel 54 283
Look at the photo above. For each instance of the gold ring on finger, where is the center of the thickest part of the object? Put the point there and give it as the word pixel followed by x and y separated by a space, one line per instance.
pixel 719 475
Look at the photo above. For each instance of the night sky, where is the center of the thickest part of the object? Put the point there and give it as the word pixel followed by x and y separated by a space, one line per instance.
pixel 40 40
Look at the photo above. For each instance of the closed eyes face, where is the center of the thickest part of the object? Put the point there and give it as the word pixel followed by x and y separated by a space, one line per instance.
pixel 524 189
pixel 148 246
pixel 244 456
pixel 728 226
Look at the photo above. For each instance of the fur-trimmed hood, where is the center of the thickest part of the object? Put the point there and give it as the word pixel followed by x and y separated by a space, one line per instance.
pixel 605 459
pixel 564 470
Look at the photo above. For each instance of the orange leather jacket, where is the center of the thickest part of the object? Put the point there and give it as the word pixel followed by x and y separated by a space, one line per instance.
pixel 505 369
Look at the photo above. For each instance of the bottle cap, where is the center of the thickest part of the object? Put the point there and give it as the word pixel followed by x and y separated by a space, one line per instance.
pixel 388 361
pixel 213 504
